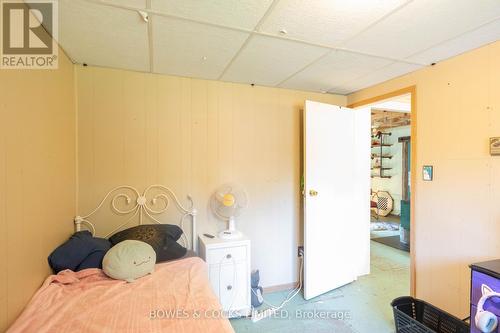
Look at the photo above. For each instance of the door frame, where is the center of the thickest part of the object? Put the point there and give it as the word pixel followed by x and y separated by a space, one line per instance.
pixel 412 90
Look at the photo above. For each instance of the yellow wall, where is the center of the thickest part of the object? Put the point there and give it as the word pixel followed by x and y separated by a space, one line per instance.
pixel 457 216
pixel 37 177
pixel 193 135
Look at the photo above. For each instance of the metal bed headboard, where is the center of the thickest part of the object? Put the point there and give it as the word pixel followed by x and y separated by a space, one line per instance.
pixel 142 205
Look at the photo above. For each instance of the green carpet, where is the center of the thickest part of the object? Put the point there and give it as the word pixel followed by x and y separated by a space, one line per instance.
pixel 366 301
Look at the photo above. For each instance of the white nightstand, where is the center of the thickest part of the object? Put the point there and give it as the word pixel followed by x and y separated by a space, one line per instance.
pixel 229 272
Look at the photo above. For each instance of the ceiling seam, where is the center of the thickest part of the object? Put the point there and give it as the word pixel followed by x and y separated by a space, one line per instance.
pixel 335 48
pixel 245 43
pixel 378 69
pixel 226 68
pixel 324 55
pixel 366 74
pixel 264 17
pixel 371 25
pixel 455 37
pixel 171 16
pixel 382 57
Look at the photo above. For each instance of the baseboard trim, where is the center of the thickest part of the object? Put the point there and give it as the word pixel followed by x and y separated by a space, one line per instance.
pixel 280 287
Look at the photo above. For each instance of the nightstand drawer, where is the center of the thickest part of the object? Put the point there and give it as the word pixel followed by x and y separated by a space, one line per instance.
pixel 226 255
pixel 229 272
pixel 230 284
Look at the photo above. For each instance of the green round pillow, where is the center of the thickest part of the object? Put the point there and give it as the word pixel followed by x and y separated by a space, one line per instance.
pixel 129 260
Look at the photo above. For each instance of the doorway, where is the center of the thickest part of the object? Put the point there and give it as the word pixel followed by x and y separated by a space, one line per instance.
pixel 390 181
pixel 393 173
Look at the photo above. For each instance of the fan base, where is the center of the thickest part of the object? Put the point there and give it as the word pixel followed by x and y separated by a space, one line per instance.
pixel 230 234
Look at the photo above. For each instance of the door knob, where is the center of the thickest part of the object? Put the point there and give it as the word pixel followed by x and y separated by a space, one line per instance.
pixel 313 193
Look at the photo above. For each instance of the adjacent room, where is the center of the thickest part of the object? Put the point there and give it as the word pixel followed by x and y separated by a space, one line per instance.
pixel 250 166
pixel 391 176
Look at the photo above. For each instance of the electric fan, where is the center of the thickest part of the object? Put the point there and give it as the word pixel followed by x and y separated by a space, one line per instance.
pixel 227 203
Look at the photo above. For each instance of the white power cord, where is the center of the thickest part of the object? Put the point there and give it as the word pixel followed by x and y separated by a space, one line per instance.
pixel 256 315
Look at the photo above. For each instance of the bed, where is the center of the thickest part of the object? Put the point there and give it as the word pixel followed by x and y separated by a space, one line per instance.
pixel 177 297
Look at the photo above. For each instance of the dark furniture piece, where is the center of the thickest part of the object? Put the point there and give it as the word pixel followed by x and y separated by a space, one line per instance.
pixel 484 273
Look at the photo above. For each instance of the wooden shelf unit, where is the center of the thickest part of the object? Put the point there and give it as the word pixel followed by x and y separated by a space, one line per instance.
pixel 380 145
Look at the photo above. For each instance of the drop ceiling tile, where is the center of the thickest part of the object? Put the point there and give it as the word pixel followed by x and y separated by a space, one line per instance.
pixel 103 36
pixel 243 14
pixel 484 35
pixel 422 24
pixel 180 47
pixel 268 61
pixel 333 70
pixel 326 22
pixel 383 74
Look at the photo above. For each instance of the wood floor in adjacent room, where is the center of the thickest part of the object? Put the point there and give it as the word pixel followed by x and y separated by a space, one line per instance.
pixel 366 300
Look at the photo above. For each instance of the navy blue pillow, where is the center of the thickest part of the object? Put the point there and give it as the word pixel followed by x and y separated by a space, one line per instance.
pixel 81 251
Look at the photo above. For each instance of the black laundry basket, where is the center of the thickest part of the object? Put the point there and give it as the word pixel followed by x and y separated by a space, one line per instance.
pixel 412 315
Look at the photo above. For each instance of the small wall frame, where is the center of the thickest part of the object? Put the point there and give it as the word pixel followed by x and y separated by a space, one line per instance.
pixel 428 173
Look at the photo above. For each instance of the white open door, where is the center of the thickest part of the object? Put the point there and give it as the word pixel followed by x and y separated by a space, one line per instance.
pixel 336 196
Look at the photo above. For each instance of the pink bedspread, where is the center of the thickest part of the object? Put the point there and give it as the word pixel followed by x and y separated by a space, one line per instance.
pixel 176 298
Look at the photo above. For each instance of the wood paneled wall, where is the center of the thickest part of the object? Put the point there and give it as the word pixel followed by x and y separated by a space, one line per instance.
pixel 194 135
pixel 37 177
pixel 457 216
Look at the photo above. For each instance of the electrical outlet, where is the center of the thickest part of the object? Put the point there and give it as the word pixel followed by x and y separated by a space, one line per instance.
pixel 300 251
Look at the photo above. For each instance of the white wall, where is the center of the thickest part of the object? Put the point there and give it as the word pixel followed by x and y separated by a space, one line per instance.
pixel 392 185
